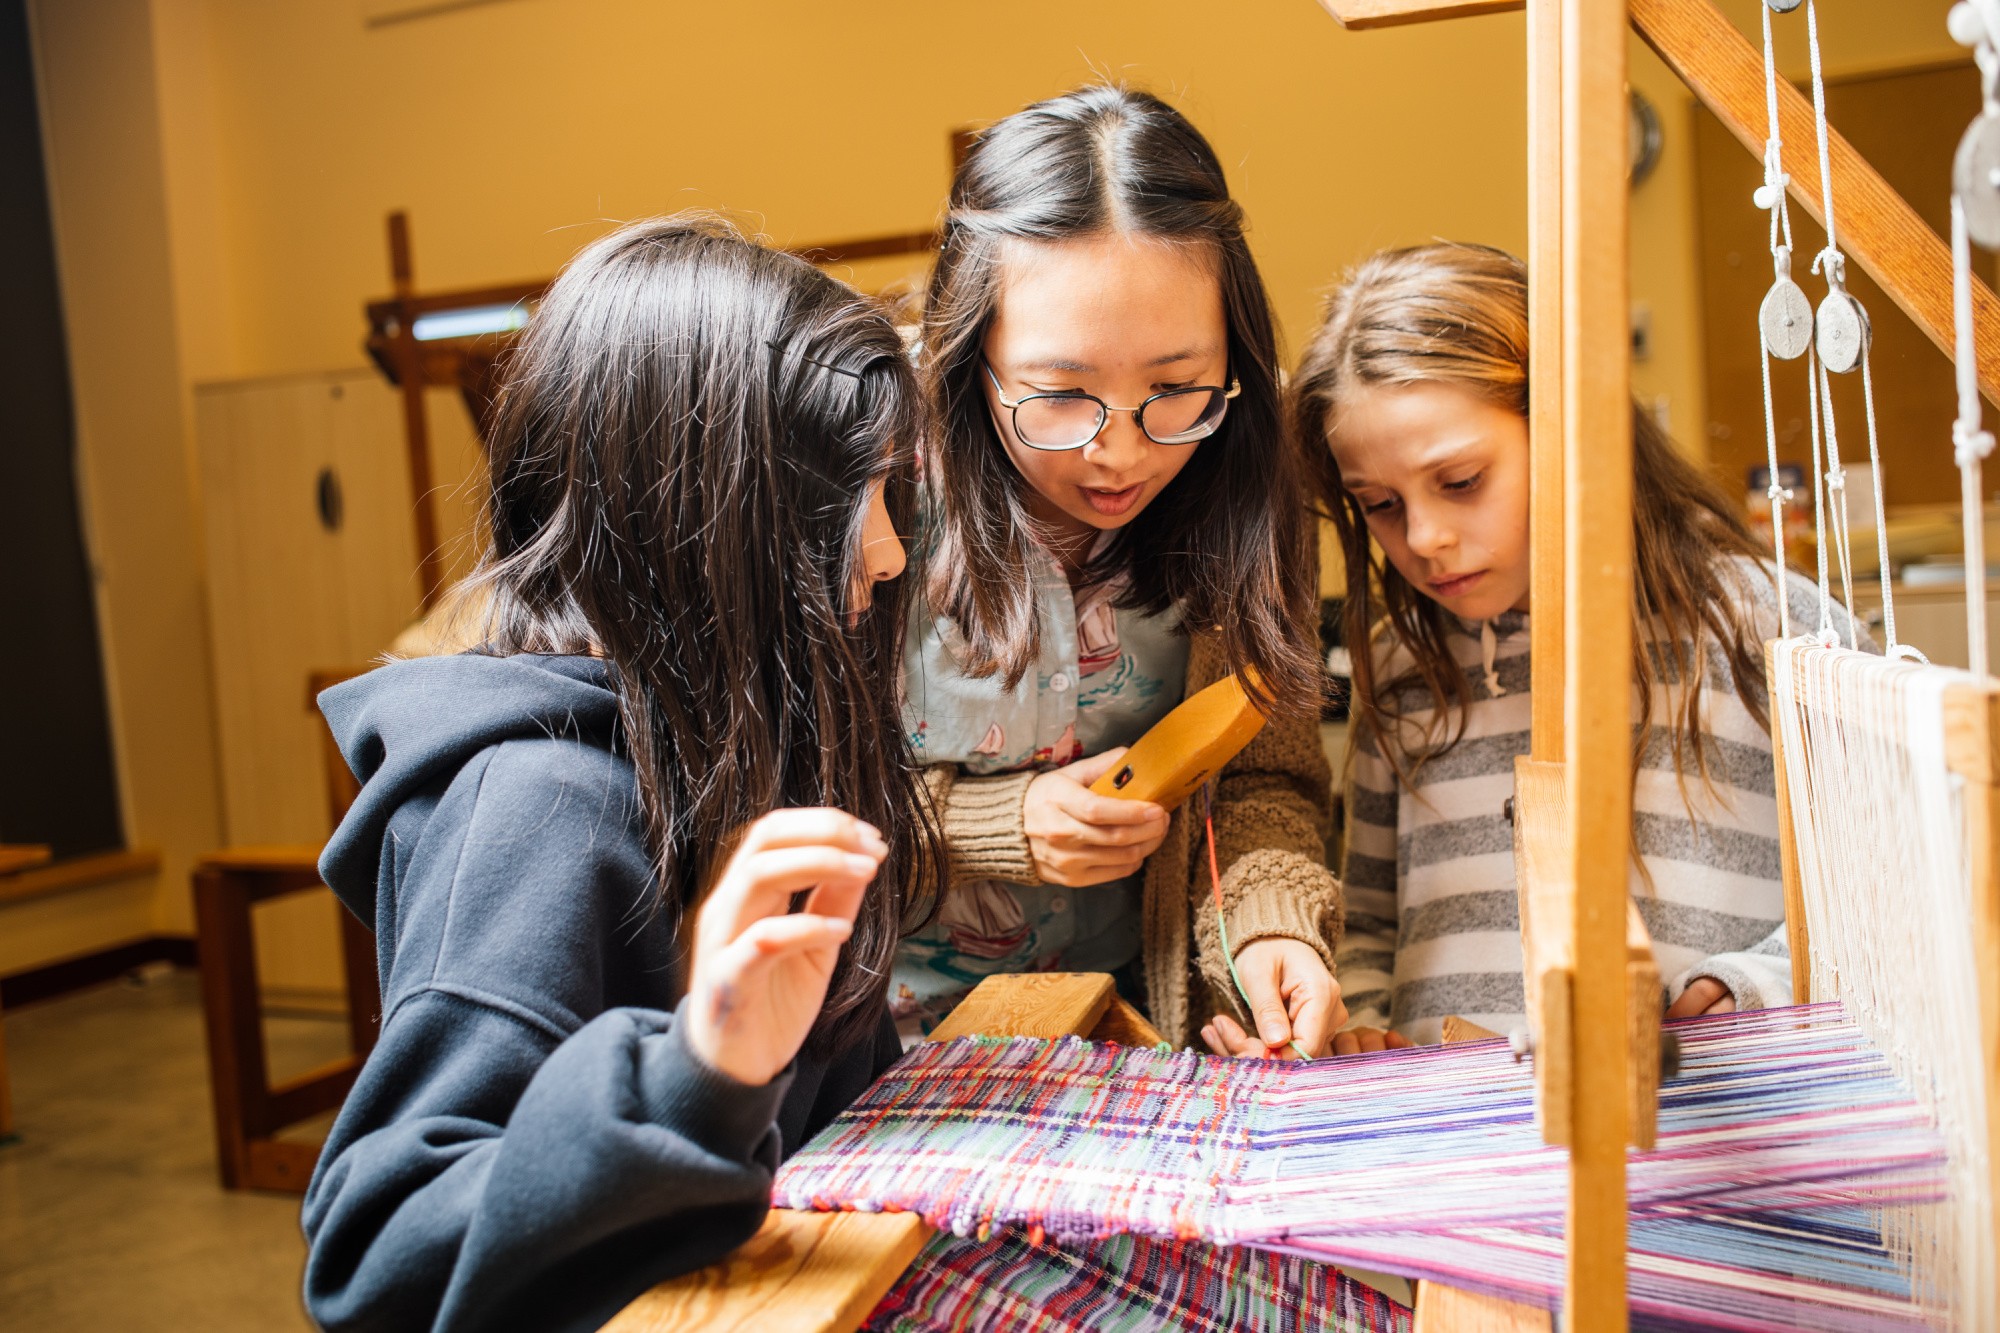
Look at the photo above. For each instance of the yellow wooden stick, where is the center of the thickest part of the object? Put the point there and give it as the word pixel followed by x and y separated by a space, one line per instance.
pixel 1186 747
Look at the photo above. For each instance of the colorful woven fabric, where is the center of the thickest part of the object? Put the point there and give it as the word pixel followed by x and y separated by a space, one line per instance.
pixel 1424 1163
pixel 1125 1284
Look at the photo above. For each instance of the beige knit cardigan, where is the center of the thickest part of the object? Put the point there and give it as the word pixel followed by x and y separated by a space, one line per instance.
pixel 1273 808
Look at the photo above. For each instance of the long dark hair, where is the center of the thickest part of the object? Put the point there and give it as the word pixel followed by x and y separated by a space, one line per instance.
pixel 1458 314
pixel 681 462
pixel 1229 540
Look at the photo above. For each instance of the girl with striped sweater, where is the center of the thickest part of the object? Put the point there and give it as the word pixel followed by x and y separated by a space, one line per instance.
pixel 1418 382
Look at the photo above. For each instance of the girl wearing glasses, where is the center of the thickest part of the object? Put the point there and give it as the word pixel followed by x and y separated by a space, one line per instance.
pixel 1115 520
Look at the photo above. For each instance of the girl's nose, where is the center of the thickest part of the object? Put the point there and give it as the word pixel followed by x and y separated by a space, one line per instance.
pixel 890 560
pixel 1425 534
pixel 1120 445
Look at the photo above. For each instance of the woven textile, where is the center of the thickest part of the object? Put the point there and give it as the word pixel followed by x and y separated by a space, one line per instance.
pixel 1424 1163
pixel 1125 1284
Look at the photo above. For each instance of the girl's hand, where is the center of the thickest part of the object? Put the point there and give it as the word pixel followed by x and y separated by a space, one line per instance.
pixel 1362 1041
pixel 1704 995
pixel 1292 997
pixel 760 969
pixel 1078 837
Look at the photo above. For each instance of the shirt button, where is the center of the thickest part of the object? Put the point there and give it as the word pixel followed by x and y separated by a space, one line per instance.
pixel 1059 682
pixel 1058 904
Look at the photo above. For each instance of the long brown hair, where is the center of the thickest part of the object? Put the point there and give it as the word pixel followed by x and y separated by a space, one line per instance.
pixel 1458 314
pixel 681 463
pixel 1228 541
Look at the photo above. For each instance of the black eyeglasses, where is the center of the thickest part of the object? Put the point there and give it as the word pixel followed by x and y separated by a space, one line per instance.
pixel 1073 418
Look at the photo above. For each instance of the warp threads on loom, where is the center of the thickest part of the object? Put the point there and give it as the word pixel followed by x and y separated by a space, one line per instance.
pixel 1784 1125
pixel 1879 820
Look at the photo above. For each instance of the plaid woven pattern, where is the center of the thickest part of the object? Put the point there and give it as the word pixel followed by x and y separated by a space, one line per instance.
pixel 1125 1284
pixel 1424 1163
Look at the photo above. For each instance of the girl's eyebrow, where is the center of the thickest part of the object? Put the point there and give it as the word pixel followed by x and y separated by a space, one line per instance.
pixel 1063 365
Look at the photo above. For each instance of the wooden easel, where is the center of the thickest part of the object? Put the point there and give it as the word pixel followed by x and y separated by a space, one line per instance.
pixel 471 363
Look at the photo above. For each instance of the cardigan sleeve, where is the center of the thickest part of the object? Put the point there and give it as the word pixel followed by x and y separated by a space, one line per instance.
pixel 1273 808
pixel 984 823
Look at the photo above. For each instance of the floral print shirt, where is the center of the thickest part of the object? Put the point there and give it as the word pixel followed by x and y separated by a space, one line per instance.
pixel 1105 675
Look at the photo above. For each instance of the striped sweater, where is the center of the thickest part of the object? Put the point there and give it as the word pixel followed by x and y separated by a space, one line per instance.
pixel 1433 927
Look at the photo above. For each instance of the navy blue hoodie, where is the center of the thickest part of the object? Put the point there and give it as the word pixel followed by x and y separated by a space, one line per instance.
pixel 531 1144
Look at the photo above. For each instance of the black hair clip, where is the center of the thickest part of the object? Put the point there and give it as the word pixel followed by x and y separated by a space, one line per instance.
pixel 807 357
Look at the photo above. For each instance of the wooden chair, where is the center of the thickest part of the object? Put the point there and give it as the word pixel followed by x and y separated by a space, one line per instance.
pixel 13 857
pixel 249 1110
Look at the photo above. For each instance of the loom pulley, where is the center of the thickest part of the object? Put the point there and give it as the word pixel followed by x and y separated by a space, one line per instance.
pixel 1786 317
pixel 1841 327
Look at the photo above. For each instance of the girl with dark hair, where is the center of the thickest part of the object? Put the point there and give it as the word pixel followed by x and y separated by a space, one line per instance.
pixel 1115 519
pixel 1417 387
pixel 636 867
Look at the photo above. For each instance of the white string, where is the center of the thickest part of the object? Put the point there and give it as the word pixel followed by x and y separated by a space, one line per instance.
pixel 1822 499
pixel 1971 443
pixel 1879 823
pixel 1834 265
pixel 1772 197
pixel 1819 127
pixel 1778 496
pixel 1976 25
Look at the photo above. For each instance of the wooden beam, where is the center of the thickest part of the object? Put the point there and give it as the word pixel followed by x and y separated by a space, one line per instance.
pixel 801 1271
pixel 1877 228
pixel 1545 391
pixel 1798 935
pixel 1597 605
pixel 1390 13
pixel 1547 899
pixel 1972 749
pixel 1037 1004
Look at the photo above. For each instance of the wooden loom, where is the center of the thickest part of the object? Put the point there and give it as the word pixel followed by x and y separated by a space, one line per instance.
pixel 1592 984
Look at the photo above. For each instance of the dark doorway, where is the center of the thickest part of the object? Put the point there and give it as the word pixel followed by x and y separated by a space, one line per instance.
pixel 57 781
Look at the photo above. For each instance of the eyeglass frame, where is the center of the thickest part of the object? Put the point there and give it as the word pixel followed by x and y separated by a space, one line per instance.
pixel 1104 411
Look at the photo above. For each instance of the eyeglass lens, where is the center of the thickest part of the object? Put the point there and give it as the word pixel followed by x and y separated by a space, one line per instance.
pixel 1063 421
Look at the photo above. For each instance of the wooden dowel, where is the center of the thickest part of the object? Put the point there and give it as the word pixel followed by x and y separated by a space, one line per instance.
pixel 1389 13
pixel 1597 604
pixel 409 359
pixel 1545 393
pixel 1798 939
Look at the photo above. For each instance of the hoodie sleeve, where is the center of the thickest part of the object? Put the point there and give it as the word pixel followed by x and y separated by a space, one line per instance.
pixel 517 1153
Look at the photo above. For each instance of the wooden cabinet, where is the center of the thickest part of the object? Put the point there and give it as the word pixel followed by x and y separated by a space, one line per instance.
pixel 311 564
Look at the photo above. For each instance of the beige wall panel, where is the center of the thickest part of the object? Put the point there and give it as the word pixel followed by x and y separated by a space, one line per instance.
pixel 39 931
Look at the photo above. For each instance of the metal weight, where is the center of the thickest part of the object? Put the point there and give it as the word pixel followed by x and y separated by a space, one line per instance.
pixel 1841 331
pixel 1786 317
pixel 1975 179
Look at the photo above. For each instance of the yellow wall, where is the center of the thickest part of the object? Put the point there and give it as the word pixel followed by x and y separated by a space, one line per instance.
pixel 222 169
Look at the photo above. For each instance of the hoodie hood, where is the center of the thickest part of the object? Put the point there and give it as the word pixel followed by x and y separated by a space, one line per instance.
pixel 409 726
